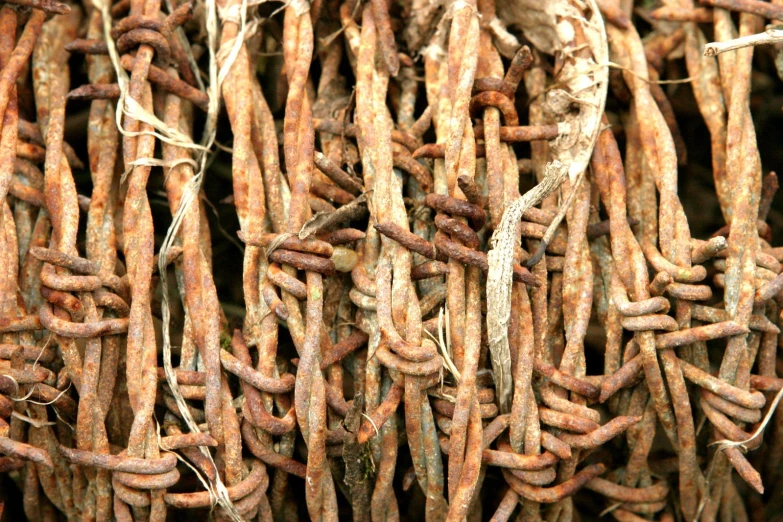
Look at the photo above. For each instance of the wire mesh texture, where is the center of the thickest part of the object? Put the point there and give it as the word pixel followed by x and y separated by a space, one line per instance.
pixel 416 260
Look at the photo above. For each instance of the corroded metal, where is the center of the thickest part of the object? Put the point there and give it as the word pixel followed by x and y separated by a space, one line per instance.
pixel 374 149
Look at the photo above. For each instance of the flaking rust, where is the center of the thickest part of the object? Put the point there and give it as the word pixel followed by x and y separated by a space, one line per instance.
pixel 458 270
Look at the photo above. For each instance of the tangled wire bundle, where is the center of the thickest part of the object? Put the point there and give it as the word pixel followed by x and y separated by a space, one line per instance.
pixel 442 314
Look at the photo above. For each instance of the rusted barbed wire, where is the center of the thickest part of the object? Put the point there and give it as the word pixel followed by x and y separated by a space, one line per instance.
pixel 472 285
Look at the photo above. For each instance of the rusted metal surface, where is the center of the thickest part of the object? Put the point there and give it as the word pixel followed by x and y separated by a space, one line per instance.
pixel 329 357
